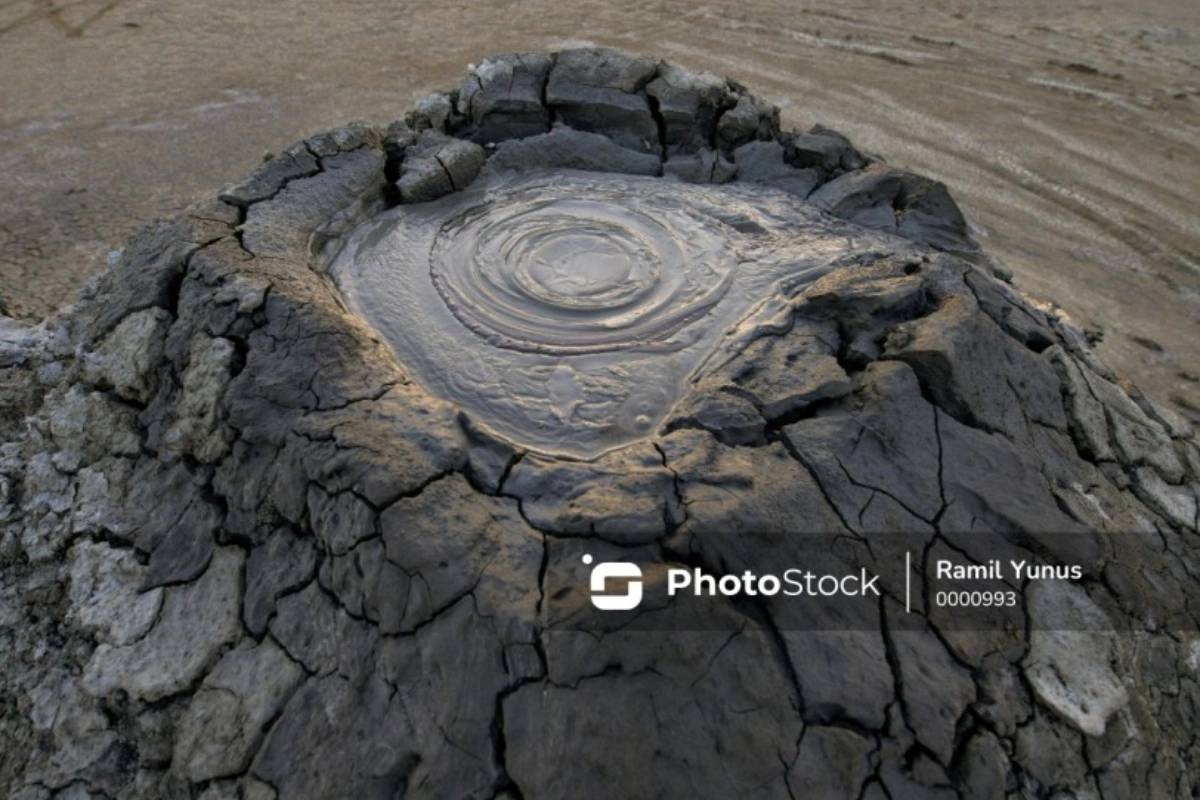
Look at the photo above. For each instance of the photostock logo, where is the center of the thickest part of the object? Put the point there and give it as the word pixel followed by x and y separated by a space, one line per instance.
pixel 602 572
pixel 695 582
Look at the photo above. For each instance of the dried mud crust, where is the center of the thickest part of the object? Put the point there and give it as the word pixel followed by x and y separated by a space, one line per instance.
pixel 245 555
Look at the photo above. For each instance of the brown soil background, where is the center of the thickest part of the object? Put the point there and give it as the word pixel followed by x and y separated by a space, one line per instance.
pixel 1069 133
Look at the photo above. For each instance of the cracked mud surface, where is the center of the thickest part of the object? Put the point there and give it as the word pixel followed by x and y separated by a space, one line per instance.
pixel 249 553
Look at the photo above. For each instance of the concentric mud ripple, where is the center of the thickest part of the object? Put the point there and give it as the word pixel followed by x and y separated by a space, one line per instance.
pixel 568 310
pixel 572 275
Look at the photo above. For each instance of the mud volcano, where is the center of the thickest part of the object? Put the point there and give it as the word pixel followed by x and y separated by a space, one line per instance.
pixel 302 498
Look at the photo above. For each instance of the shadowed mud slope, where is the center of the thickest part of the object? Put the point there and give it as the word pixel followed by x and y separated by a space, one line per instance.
pixel 1069 136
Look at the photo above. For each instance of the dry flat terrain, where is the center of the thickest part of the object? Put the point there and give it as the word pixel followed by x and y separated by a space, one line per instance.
pixel 1070 134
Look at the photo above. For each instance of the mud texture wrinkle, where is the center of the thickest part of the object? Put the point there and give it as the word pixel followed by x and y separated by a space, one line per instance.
pixel 252 546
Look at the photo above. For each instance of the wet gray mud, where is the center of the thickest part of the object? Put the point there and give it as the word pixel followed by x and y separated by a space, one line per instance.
pixel 302 499
pixel 570 311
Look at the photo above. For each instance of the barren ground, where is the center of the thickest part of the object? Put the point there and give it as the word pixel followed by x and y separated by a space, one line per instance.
pixel 1070 135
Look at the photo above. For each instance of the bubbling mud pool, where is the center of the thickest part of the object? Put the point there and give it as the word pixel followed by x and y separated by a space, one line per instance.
pixel 567 311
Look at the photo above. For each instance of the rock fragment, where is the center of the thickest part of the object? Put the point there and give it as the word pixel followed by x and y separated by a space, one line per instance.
pixel 304 756
pixel 567 148
pixel 1069 657
pixel 689 104
pixel 888 199
pixel 936 692
pixel 275 173
pixel 438 165
pixel 105 594
pixel 824 150
pixel 502 97
pixel 748 120
pixel 284 563
pixel 987 771
pixel 763 162
pixel 197 429
pixel 127 357
pixel 601 91
pixel 224 722
pixel 196 621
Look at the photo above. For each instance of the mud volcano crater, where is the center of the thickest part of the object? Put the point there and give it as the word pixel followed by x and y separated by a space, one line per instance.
pixel 603 256
pixel 566 309
pixel 299 498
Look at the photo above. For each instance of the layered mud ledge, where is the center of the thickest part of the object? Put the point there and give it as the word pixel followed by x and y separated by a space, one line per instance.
pixel 249 552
